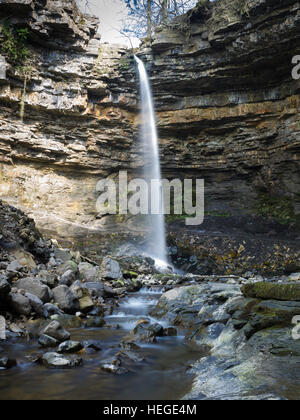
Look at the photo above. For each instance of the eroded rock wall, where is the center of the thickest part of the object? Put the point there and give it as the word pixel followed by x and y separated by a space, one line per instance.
pixel 227 111
pixel 228 107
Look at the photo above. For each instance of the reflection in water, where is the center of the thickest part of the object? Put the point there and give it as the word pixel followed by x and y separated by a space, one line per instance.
pixel 162 375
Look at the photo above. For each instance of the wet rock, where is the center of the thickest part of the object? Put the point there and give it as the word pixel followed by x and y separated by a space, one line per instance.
pixel 93 345
pixel 156 329
pixel 20 304
pixel 7 363
pixel 66 299
pixel 35 287
pixel 170 332
pixel 110 269
pixel 52 309
pixel 47 341
pixel 95 322
pixel 55 330
pixel 263 290
pixel 57 361
pixel 70 347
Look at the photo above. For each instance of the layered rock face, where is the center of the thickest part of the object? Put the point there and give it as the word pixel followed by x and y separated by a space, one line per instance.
pixel 227 109
pixel 78 122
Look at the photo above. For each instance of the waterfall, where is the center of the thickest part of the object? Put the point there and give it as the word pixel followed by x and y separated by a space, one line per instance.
pixel 156 246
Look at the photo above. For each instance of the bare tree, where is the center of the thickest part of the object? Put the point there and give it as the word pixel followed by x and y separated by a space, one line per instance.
pixel 145 15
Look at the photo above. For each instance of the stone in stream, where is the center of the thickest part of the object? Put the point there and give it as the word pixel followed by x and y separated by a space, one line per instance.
pixel 170 332
pixel 47 341
pixel 55 330
pixel 7 363
pixel 93 345
pixel 35 287
pixel 66 299
pixel 52 309
pixel 57 361
pixel 70 347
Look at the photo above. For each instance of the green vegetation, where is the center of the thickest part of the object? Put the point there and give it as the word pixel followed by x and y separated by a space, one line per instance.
pixel 280 208
pixel 13 47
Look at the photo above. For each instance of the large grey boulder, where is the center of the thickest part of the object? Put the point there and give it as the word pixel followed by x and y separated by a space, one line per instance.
pixel 88 272
pixel 110 269
pixel 35 287
pixel 66 299
pixel 55 330
pixel 20 304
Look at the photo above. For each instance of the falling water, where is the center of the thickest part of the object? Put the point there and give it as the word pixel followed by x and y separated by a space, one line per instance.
pixel 156 246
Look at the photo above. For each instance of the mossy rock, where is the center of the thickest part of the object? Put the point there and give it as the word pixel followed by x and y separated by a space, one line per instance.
pixel 263 290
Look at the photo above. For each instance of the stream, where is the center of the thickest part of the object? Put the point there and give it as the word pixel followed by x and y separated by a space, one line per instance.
pixel 161 375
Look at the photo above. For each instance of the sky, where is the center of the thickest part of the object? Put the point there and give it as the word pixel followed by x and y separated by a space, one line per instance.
pixel 110 13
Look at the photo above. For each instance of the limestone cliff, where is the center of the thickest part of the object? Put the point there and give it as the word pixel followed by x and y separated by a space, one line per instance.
pixel 227 110
pixel 228 107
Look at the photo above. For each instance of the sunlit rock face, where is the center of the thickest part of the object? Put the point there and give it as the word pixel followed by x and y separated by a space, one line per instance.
pixel 79 117
pixel 227 111
pixel 228 107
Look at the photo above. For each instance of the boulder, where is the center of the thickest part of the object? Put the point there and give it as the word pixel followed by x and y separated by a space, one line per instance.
pixel 276 291
pixel 47 341
pixel 70 347
pixel 55 330
pixel 57 361
pixel 67 278
pixel 66 299
pixel 35 287
pixel 37 305
pixel 88 272
pixel 52 309
pixel 20 304
pixel 110 269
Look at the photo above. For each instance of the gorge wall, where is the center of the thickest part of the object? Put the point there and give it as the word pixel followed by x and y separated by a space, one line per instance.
pixel 227 111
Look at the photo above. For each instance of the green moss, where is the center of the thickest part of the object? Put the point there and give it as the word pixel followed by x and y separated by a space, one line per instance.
pixel 288 292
